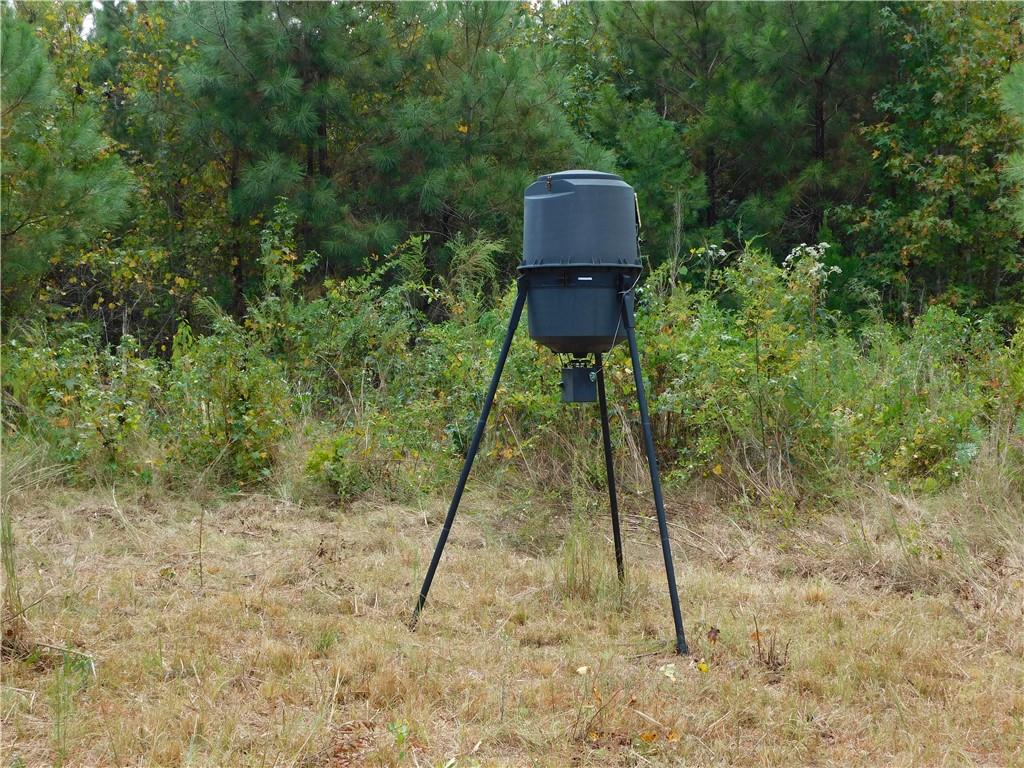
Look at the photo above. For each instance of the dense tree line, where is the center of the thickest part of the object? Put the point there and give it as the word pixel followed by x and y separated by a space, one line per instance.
pixel 145 145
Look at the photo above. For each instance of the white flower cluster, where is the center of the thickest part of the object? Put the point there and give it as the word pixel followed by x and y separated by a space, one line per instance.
pixel 714 252
pixel 815 255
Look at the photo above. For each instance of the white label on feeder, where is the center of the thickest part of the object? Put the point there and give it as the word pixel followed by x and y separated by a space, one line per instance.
pixel 584 278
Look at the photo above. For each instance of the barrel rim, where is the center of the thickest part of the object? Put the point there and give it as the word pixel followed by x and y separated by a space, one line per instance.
pixel 580 173
pixel 590 266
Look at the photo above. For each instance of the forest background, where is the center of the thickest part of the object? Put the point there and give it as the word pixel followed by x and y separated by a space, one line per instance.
pixel 272 244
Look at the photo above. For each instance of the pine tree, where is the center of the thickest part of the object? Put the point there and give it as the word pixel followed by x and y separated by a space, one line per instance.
pixel 648 149
pixel 678 57
pixel 479 118
pixel 766 97
pixel 283 95
pixel 816 65
pixel 1013 103
pixel 61 183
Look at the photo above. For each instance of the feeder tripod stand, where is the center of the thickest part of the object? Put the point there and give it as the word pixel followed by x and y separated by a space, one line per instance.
pixel 628 321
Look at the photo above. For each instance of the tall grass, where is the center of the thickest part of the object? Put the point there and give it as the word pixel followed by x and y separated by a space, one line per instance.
pixel 20 471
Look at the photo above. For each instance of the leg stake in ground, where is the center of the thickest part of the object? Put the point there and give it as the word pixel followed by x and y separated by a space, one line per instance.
pixel 652 464
pixel 474 446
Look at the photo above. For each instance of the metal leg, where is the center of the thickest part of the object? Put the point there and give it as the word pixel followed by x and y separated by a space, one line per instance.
pixel 474 446
pixel 652 463
pixel 609 468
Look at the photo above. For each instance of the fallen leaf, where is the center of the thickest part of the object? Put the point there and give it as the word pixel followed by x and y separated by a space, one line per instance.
pixel 583 670
pixel 649 736
pixel 672 736
pixel 593 735
pixel 717 469
pixel 713 635
pixel 669 671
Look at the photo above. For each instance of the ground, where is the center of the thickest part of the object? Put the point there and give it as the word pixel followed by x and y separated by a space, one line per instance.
pixel 257 631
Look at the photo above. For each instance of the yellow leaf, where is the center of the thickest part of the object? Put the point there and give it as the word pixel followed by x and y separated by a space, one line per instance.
pixel 649 736
pixel 717 469
pixel 462 128
pixel 672 736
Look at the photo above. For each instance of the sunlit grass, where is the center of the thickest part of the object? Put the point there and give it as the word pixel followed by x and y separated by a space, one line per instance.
pixel 889 635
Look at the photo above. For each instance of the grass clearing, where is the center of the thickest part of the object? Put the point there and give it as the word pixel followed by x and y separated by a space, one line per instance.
pixel 888 635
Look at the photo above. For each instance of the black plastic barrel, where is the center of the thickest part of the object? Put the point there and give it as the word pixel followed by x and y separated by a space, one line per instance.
pixel 579 253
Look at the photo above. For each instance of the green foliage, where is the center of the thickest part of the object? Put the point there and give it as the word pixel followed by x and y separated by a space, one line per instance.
pixel 93 407
pixel 479 120
pixel 787 400
pixel 650 153
pixel 938 221
pixel 394 454
pixel 753 379
pixel 229 402
pixel 305 68
pixel 61 183
pixel 763 98
pixel 1013 103
pixel 225 221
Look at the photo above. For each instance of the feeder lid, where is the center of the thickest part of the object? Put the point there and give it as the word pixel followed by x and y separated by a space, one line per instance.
pixel 580 218
pixel 581 173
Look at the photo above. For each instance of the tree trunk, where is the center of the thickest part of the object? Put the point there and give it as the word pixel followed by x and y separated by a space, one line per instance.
pixel 321 133
pixel 817 205
pixel 819 119
pixel 711 177
pixel 237 269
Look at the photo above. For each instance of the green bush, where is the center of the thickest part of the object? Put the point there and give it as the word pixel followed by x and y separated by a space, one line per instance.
pixel 94 407
pixel 759 377
pixel 753 381
pixel 228 404
pixel 394 455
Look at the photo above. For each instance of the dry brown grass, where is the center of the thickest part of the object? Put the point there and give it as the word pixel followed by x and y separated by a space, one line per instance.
pixel 890 635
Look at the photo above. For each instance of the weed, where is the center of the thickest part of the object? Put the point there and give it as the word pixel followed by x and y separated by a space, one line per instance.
pixel 771 656
pixel 13 612
pixel 399 731
pixel 753 384
pixel 19 472
pixel 324 642
pixel 71 678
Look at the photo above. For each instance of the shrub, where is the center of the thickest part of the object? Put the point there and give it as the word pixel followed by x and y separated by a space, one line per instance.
pixel 758 376
pixel 228 404
pixel 752 380
pixel 93 407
